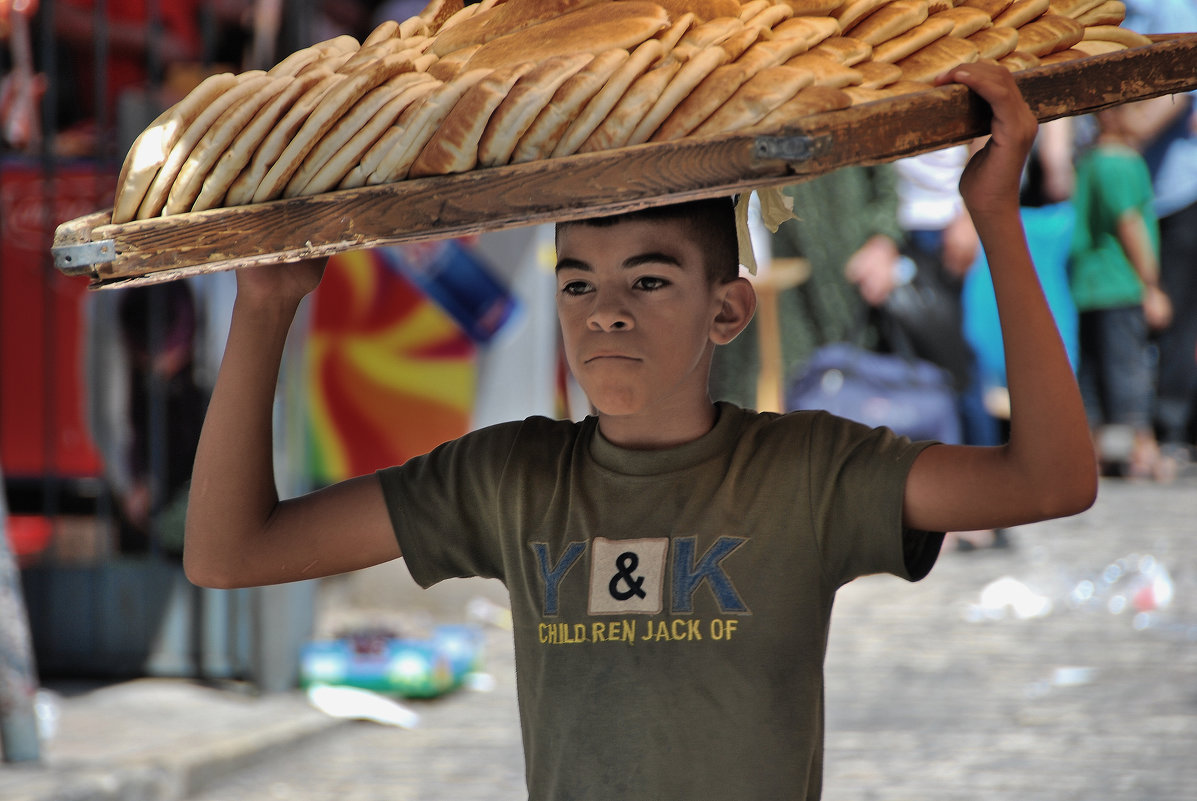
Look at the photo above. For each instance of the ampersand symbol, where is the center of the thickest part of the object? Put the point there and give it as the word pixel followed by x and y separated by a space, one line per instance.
pixel 626 564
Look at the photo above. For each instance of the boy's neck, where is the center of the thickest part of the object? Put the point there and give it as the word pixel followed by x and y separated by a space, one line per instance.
pixel 659 431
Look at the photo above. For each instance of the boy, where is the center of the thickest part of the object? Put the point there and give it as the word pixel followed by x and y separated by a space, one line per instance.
pixel 1114 276
pixel 671 563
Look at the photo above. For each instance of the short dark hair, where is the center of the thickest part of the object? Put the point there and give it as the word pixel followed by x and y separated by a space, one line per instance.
pixel 711 222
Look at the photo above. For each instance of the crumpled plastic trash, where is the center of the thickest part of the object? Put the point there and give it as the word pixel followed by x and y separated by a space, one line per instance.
pixel 353 703
pixel 1007 596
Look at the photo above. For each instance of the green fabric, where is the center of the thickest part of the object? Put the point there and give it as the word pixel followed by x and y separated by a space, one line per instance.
pixel 1110 181
pixel 836 214
pixel 670 607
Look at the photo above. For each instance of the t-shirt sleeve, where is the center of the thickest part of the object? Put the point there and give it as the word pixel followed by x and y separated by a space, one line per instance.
pixel 443 506
pixel 858 482
pixel 1120 186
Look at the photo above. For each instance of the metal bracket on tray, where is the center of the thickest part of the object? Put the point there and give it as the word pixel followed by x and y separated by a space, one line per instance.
pixel 795 148
pixel 78 259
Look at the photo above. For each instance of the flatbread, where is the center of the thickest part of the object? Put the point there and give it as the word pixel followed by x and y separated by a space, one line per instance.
pixel 458 17
pixel 938 58
pixel 238 155
pixel 712 92
pixel 523 104
pixel 1021 12
pixel 437 11
pixel 852 11
pixel 596 110
pixel 348 157
pixel 1098 47
pixel 1111 12
pixel 876 74
pixel 392 155
pixel 1063 56
pixel 670 36
pixel 913 40
pixel 1049 33
pixel 756 98
pixel 333 104
pixel 691 74
pixel 750 8
pixel 213 144
pixel 813 29
pixel 498 21
pixel 738 43
pixel 1019 60
pixel 702 9
pixel 616 128
pixel 152 146
pixel 770 17
pixel 243 188
pixel 993 8
pixel 826 71
pixel 861 94
pixel 297 61
pixel 569 99
pixel 845 49
pixel 889 21
pixel 1115 33
pixel 813 8
pixel 1073 8
pixel 811 100
pixel 590 29
pixel 453 147
pixel 996 42
pixel 711 32
pixel 155 197
pixel 357 117
pixel 965 20
pixel 452 65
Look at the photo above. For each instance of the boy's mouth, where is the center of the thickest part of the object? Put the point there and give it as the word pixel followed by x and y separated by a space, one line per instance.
pixel 601 356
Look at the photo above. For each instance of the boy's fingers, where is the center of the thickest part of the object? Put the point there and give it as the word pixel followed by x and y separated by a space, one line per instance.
pixel 994 83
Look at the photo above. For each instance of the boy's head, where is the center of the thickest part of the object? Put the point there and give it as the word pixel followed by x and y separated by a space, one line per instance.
pixel 643 298
pixel 711 223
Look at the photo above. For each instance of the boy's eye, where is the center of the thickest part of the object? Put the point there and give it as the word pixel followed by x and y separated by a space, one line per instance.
pixel 575 288
pixel 649 283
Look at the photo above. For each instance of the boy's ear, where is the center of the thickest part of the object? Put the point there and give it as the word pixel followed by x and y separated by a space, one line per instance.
pixel 737 306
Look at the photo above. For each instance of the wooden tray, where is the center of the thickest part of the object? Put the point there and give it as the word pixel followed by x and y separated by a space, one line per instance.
pixel 606 182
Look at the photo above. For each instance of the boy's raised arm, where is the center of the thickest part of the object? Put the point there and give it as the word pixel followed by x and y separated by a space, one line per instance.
pixel 238 533
pixel 1048 467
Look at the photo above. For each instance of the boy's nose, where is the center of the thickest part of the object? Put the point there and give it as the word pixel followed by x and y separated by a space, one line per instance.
pixel 609 314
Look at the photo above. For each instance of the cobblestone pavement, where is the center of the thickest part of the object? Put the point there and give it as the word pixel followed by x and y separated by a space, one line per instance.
pixel 1032 673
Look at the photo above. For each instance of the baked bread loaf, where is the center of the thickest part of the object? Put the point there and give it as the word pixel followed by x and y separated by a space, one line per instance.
pixel 462 87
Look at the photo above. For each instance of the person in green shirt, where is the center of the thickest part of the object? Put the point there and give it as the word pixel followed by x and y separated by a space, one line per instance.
pixel 1114 278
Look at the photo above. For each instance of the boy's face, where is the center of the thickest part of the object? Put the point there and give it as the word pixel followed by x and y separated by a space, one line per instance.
pixel 637 314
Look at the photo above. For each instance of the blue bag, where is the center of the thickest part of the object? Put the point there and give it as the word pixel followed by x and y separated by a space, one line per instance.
pixel 908 395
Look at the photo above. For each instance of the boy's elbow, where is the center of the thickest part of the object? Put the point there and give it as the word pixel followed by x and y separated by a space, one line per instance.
pixel 202 574
pixel 208 570
pixel 1072 493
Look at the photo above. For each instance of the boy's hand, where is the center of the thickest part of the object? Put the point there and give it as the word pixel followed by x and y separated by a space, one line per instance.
pixel 284 283
pixel 991 179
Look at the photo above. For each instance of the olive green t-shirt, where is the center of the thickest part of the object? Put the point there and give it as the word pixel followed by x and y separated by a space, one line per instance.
pixel 670 607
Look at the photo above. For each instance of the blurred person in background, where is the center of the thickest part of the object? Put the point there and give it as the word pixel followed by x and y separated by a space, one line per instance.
pixel 1166 127
pixel 1114 274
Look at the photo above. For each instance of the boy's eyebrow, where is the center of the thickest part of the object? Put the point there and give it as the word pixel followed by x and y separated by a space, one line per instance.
pixel 650 257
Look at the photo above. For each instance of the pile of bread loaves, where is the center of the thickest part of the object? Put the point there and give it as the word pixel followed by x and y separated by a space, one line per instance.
pixel 504 81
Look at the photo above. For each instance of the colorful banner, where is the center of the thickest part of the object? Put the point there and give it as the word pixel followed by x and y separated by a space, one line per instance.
pixel 391 375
